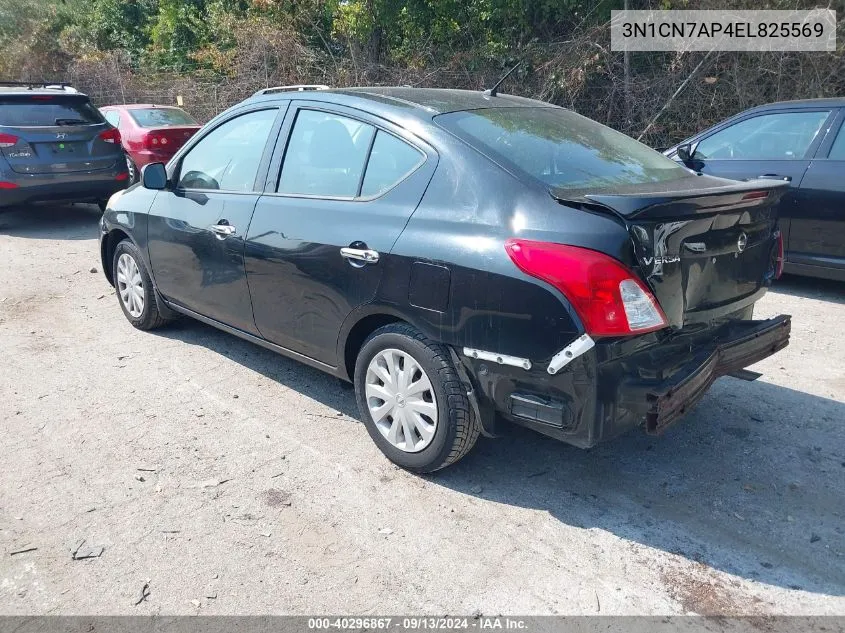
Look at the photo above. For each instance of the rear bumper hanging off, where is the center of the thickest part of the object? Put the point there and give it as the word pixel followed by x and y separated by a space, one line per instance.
pixel 742 344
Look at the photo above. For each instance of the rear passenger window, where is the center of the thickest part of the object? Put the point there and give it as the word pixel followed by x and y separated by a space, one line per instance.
pixel 325 155
pixel 391 160
pixel 113 118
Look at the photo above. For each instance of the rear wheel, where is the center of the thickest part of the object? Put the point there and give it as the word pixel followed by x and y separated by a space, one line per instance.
pixel 134 286
pixel 412 401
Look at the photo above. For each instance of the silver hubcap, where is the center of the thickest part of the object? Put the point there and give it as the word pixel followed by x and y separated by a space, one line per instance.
pixel 401 400
pixel 130 166
pixel 130 286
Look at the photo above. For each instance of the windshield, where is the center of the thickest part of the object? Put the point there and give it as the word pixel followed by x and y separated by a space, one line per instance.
pixel 47 111
pixel 560 148
pixel 161 117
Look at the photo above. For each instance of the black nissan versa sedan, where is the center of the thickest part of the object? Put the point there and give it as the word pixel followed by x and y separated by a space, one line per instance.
pixel 461 257
pixel 56 147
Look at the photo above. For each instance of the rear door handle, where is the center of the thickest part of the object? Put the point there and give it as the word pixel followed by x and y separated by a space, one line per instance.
pixel 223 229
pixel 364 255
pixel 776 177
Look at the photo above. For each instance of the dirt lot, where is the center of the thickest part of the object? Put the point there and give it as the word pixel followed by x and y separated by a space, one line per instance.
pixel 232 480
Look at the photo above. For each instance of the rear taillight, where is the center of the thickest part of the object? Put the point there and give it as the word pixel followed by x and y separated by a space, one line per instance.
pixel 110 136
pixel 779 258
pixel 153 141
pixel 7 140
pixel 608 297
pixel 124 175
pixel 7 185
pixel 755 195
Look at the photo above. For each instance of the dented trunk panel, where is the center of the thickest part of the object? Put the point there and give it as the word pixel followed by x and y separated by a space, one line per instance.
pixel 705 251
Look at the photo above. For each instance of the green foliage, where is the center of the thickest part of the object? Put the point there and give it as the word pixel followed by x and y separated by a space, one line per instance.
pixel 183 34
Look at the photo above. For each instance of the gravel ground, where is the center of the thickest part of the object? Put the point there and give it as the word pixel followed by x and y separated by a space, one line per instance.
pixel 231 480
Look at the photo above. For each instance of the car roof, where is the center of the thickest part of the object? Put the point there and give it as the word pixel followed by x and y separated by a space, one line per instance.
pixel 53 92
pixel 830 102
pixel 138 106
pixel 424 103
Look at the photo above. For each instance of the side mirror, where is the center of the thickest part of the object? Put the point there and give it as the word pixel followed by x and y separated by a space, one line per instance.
pixel 154 176
pixel 685 152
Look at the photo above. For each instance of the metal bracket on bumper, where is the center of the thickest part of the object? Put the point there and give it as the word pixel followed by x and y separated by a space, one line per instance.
pixel 744 344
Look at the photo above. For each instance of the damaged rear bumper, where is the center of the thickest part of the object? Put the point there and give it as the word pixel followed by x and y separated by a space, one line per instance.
pixel 662 402
pixel 620 384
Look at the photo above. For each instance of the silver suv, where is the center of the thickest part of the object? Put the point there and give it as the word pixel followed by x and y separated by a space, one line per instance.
pixel 56 146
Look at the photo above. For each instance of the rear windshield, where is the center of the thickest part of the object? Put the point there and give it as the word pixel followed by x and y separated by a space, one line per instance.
pixel 562 149
pixel 161 117
pixel 47 111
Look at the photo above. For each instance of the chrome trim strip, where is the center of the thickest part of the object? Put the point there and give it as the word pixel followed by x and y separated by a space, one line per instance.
pixel 569 353
pixel 501 359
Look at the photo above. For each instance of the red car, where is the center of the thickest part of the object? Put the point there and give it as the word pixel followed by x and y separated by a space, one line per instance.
pixel 150 133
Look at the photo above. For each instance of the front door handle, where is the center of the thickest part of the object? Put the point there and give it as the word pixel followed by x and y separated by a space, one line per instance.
pixel 775 177
pixel 223 229
pixel 363 255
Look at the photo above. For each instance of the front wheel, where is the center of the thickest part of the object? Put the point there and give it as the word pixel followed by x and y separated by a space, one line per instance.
pixel 134 286
pixel 411 400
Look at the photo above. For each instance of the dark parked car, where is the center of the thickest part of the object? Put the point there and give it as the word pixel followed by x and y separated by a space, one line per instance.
pixel 460 257
pixel 55 146
pixel 150 133
pixel 798 142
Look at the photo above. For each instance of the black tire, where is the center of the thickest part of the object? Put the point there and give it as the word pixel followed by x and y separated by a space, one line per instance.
pixel 150 316
pixel 457 429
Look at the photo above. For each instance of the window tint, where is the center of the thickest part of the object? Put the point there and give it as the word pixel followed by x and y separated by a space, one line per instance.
pixel 325 155
pixel 112 117
pixel 390 161
pixel 227 158
pixel 561 148
pixel 161 117
pixel 782 135
pixel 837 151
pixel 47 111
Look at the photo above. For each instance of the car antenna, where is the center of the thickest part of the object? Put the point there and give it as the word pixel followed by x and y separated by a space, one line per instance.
pixel 492 92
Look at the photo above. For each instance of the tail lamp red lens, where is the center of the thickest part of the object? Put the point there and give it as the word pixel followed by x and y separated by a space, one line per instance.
pixel 755 195
pixel 607 296
pixel 7 185
pixel 8 140
pixel 152 141
pixel 110 136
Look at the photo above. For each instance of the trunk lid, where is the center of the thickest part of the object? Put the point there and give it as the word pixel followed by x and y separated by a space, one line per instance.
pixel 705 246
pixel 174 137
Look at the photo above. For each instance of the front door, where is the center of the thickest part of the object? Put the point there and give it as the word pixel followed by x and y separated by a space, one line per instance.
pixel 318 245
pixel 818 234
pixel 776 145
pixel 197 228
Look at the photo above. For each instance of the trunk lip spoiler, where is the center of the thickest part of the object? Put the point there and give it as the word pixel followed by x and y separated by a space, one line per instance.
pixel 630 204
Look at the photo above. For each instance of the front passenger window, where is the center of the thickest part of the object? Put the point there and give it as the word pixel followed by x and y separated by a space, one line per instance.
pixel 227 158
pixel 777 136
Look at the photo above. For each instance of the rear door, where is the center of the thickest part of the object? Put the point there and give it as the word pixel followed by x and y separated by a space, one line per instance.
pixel 317 246
pixel 197 226
pixel 817 237
pixel 776 145
pixel 56 134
